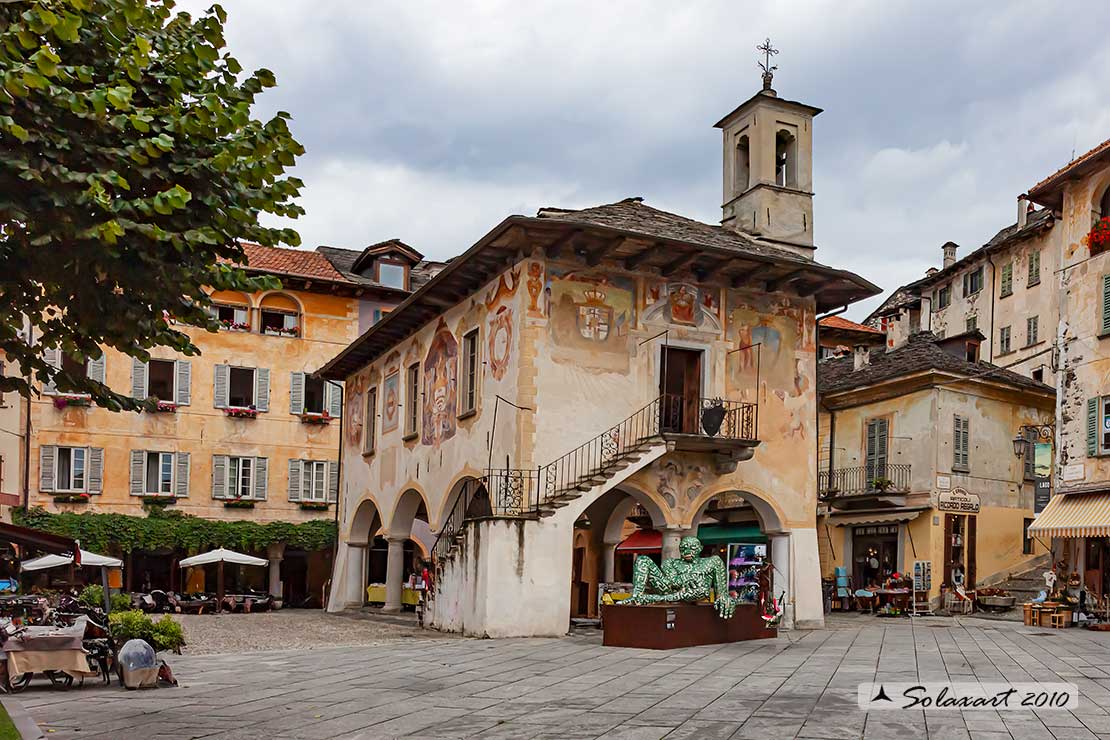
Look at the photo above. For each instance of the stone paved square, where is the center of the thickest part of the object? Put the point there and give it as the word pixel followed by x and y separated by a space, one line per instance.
pixel 802 684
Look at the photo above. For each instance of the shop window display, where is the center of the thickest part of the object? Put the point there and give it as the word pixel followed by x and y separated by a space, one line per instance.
pixel 745 564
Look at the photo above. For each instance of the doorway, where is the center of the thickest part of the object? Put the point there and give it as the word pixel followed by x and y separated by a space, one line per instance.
pixel 874 554
pixel 959 550
pixel 680 388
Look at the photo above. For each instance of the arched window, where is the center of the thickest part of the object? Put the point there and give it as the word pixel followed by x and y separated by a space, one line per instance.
pixel 281 316
pixel 743 164
pixel 231 309
pixel 786 160
pixel 1104 204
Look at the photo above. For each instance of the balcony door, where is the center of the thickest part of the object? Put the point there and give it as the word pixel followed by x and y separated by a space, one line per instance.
pixel 680 387
pixel 877 446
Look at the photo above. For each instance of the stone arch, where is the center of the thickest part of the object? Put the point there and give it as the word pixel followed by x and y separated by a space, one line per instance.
pixel 771 518
pixel 404 511
pixel 456 487
pixel 366 521
pixel 281 300
pixel 661 513
pixel 232 298
pixel 786 158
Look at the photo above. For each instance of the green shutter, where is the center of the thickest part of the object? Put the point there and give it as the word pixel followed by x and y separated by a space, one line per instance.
pixel 1105 304
pixel 1092 427
pixel 1007 279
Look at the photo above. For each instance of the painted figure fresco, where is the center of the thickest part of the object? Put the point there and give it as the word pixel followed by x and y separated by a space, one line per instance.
pixel 391 402
pixel 355 408
pixel 440 387
pixel 684 304
pixel 593 314
pixel 504 290
pixel 535 289
pixel 500 341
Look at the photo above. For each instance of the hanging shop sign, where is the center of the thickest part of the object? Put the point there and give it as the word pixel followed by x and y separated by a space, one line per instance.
pixel 1042 492
pixel 958 501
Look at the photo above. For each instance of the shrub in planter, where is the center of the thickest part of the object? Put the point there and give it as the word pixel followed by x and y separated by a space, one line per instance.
pixel 239 503
pixel 71 498
pixel 92 596
pixel 166 634
pixel 882 484
pixel 120 602
pixel 314 505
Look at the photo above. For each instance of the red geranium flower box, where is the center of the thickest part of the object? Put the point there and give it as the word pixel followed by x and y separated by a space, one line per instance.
pixel 1098 238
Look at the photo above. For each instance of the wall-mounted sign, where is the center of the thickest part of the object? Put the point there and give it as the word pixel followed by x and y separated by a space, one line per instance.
pixel 944 482
pixel 1074 472
pixel 1042 492
pixel 958 501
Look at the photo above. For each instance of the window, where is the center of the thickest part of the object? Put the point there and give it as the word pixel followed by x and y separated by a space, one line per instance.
pixel 942 296
pixel 1031 330
pixel 370 426
pixel 1034 269
pixel 1104 204
pixel 470 374
pixel 159 473
pixel 786 155
pixel 279 323
pixel 392 274
pixel 1098 426
pixel 1038 375
pixel 240 392
pixel 971 324
pixel 314 479
pixel 877 447
pixel 74 368
pixel 960 444
pixel 69 469
pixel 1026 539
pixel 1003 340
pixel 240 477
pixel 236 318
pixel 314 395
pixel 160 379
pixel 743 164
pixel 155 473
pixel 971 352
pixel 412 400
pixel 1105 330
pixel 973 281
pixel 1007 287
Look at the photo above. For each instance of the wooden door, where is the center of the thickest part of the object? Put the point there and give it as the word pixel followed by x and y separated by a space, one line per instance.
pixel 680 388
pixel 947 550
pixel 969 553
pixel 691 393
pixel 1092 569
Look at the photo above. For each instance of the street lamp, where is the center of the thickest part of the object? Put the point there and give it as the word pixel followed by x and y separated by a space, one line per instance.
pixel 1021 445
pixel 1028 433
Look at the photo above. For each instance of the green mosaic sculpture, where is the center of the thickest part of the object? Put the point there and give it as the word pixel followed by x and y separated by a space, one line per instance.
pixel 685 578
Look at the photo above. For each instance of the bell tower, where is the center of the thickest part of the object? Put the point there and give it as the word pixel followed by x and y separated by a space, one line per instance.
pixel 768 166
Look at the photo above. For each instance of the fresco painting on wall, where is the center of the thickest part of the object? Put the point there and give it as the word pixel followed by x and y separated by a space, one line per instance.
pixel 778 331
pixel 500 341
pixel 535 289
pixel 391 402
pixel 505 289
pixel 440 387
pixel 355 408
pixel 591 315
pixel 684 304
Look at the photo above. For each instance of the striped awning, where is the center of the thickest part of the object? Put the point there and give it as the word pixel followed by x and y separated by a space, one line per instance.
pixel 1074 515
pixel 873 517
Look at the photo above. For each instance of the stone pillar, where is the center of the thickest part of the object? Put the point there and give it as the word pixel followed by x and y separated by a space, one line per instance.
pixel 609 562
pixel 671 536
pixel 355 575
pixel 805 577
pixel 780 576
pixel 275 553
pixel 394 572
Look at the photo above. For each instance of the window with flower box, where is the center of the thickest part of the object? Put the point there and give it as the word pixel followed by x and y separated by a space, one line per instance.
pixel 70 469
pixel 241 389
pixel 233 317
pixel 159 473
pixel 91 369
pixel 167 380
pixel 313 481
pixel 280 315
pixel 237 477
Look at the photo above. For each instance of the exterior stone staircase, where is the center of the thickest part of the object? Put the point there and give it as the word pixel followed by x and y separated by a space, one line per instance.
pixel 607 476
pixel 1026 584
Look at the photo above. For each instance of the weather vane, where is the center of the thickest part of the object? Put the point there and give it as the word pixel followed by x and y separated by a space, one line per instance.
pixel 768 69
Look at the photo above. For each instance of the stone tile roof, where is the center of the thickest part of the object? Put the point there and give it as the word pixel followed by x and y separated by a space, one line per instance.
pixel 920 353
pixel 631 214
pixel 839 322
pixel 344 259
pixel 293 262
pixel 1037 221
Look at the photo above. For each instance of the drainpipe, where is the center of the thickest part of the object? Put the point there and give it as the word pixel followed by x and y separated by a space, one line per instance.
pixel 26 403
pixel 994 272
pixel 338 494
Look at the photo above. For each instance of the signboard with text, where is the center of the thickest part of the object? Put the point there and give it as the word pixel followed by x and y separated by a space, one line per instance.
pixel 1042 492
pixel 958 501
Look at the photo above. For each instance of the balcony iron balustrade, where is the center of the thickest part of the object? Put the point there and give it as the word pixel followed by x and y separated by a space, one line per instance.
pixel 864 480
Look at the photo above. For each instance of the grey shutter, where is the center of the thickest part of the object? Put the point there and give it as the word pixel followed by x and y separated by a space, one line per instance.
pixel 881 448
pixel 295 480
pixel 262 389
pixel 181 482
pixel 95 369
pixel 1007 279
pixel 333 398
pixel 138 379
pixel 138 472
pixel 1106 304
pixel 333 481
pixel 96 469
pixel 47 455
pixel 1030 459
pixel 296 393
pixel 260 483
pixel 960 443
pixel 184 370
pixel 219 476
pixel 222 386
pixel 872 429
pixel 52 357
pixel 1092 427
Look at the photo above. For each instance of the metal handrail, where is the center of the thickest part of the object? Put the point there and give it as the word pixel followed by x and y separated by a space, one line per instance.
pixel 457 518
pixel 865 479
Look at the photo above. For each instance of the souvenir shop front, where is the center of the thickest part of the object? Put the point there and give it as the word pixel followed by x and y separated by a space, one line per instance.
pixel 1079 524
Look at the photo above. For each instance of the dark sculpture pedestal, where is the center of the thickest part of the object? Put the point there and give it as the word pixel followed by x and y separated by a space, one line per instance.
pixel 668 626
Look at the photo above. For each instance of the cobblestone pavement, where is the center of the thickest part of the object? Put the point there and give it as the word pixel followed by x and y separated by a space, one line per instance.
pixel 800 685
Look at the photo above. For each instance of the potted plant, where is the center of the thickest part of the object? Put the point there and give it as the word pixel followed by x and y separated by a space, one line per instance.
pixel 314 505
pixel 166 407
pixel 1098 238
pixel 236 325
pixel 239 503
pixel 238 412
pixel 158 500
pixel 66 400
pixel 165 634
pixel 71 498
pixel 882 484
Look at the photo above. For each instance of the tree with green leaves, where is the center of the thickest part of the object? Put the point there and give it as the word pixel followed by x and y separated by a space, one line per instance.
pixel 130 170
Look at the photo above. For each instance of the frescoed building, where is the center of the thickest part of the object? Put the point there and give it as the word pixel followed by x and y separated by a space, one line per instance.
pixel 577 370
pixel 244 431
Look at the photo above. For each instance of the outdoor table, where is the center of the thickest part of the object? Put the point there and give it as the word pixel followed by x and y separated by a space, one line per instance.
pixel 40 649
pixel 900 597
pixel 376 595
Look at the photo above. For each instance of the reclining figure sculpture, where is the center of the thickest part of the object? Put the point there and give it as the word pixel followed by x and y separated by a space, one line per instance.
pixel 685 578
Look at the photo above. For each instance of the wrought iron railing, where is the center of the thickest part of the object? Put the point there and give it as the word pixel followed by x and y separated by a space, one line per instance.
pixel 864 480
pixel 471 501
pixel 709 417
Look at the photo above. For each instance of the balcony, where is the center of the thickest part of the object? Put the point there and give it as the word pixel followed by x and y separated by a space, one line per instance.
pixel 728 429
pixel 865 483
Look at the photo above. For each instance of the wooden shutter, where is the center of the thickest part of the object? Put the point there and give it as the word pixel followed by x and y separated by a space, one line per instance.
pixel 47 455
pixel 969 553
pixel 219 476
pixel 138 379
pixel 370 422
pixel 222 374
pixel 184 370
pixel 296 393
pixel 947 549
pixel 333 398
pixel 181 479
pixel 295 473
pixel 96 469
pixel 1030 459
pixel 94 368
pixel 1007 279
pixel 260 483
pixel 262 389
pixel 872 434
pixel 1092 426
pixel 52 357
pixel 138 472
pixel 333 481
pixel 1105 304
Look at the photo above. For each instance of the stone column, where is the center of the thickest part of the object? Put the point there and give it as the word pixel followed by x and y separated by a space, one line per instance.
pixel 671 536
pixel 275 553
pixel 394 571
pixel 780 578
pixel 609 562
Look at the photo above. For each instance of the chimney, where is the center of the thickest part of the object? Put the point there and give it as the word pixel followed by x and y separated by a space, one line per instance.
pixel 861 356
pixel 949 250
pixel 1023 211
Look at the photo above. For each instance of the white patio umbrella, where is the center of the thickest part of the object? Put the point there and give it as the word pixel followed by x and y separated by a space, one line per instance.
pixel 90 559
pixel 221 556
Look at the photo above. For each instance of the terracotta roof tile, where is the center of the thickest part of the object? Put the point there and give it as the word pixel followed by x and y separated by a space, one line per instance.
pixel 839 322
pixel 293 262
pixel 1104 146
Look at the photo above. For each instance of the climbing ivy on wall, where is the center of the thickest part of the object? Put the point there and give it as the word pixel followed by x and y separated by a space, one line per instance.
pixel 172 529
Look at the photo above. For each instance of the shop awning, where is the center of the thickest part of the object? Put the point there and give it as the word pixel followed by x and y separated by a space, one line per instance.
pixel 874 517
pixel 642 540
pixel 1074 515
pixel 715 534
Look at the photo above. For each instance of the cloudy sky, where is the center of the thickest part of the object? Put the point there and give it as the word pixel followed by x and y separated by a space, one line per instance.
pixel 432 122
